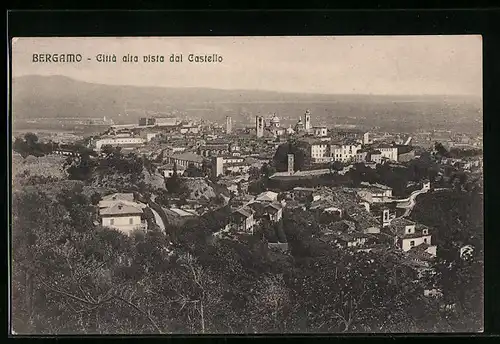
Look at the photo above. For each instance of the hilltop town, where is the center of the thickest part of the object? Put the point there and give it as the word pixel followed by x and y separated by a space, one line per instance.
pixel 213 218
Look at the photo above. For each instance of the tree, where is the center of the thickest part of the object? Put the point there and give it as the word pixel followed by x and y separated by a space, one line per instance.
pixel 301 153
pixel 336 166
pixel 193 171
pixel 95 198
pixel 254 173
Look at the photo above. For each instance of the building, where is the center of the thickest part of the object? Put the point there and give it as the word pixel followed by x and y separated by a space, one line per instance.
pixel 259 126
pixel 238 167
pixel 362 155
pixel 150 136
pixel 158 121
pixel 367 139
pixel 409 235
pixel 388 152
pixel 243 219
pixel 183 160
pixel 267 196
pixel 387 217
pixel 166 121
pixel 275 211
pixel 189 130
pixel 121 212
pixel 307 121
pixel 213 150
pixel 320 152
pixel 345 152
pixel 217 166
pixel 320 131
pixel 147 121
pixel 375 156
pixel 343 239
pixel 230 159
pixel 117 141
pixel 167 170
pixel 229 125
pixel 375 193
pixel 274 127
pixel 299 127
pixel 405 157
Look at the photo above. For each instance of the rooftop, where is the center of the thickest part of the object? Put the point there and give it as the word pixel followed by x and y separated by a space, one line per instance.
pixel 119 196
pixel 187 157
pixel 121 208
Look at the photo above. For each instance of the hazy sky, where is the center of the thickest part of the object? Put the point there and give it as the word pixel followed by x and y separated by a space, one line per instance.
pixel 413 65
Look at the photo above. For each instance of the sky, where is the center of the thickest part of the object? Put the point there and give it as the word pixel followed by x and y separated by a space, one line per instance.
pixel 385 65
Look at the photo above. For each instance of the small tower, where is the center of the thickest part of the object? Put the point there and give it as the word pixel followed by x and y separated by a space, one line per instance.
pixel 366 138
pixel 386 218
pixel 229 125
pixel 259 126
pixel 291 162
pixel 307 121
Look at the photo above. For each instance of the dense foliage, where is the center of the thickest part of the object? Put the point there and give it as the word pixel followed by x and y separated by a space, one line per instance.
pixel 29 145
pixel 71 276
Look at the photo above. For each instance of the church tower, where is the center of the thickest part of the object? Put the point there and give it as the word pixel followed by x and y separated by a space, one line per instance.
pixel 291 162
pixel 307 121
pixel 259 126
pixel 229 125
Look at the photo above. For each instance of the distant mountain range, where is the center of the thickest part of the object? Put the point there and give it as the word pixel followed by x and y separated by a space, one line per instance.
pixel 63 97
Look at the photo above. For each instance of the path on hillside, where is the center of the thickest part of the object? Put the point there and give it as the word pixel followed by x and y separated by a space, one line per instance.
pixel 158 219
pixel 411 202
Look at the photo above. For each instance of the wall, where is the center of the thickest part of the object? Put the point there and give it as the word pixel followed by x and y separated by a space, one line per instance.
pixel 122 223
pixel 390 153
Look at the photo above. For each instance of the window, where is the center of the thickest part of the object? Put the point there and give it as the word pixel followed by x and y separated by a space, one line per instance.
pixel 425 240
pixel 131 221
pixel 112 222
pixel 425 231
pixel 412 243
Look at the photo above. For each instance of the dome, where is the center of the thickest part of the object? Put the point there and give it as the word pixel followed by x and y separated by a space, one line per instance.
pixel 275 119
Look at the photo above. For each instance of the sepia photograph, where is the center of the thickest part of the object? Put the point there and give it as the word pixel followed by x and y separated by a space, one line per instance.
pixel 246 185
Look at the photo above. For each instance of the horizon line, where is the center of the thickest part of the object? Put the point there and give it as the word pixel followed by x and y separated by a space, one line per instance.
pixel 465 95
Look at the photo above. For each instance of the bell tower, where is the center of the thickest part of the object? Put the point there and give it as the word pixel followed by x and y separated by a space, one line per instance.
pixel 307 121
pixel 291 162
pixel 259 126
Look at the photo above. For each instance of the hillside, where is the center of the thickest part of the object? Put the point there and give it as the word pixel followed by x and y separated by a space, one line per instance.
pixel 57 96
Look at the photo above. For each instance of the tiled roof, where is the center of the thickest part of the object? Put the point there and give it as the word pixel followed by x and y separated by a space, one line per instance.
pixel 398 227
pixel 268 196
pixel 244 211
pixel 276 206
pixel 119 197
pixel 121 208
pixel 187 157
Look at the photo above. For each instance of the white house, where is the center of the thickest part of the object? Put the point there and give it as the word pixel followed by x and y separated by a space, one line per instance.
pixel 121 212
pixel 344 152
pixel 267 196
pixel 320 152
pixel 243 219
pixel 128 141
pixel 410 235
pixel 168 170
pixel 274 211
pixel 388 152
pixel 375 193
